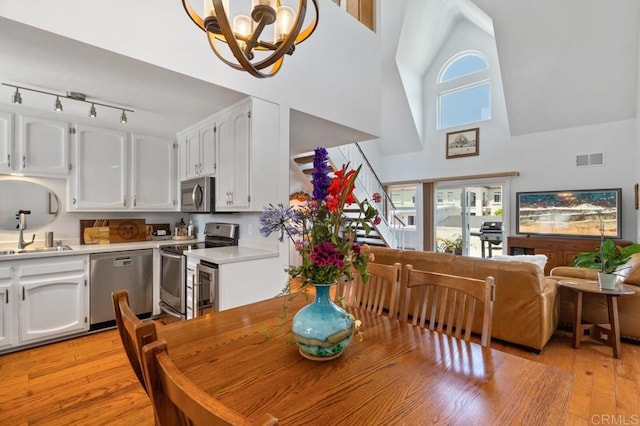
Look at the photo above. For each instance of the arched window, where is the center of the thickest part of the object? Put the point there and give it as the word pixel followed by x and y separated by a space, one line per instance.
pixel 464 90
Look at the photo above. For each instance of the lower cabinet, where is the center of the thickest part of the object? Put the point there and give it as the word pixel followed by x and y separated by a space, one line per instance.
pixel 48 298
pixel 8 332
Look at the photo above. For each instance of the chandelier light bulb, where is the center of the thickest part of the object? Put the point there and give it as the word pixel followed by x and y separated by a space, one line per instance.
pixel 123 118
pixel 92 111
pixel 58 106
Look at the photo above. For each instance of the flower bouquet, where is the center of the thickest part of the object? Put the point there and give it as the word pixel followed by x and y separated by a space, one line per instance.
pixel 325 239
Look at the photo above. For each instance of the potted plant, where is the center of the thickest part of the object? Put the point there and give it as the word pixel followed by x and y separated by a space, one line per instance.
pixel 606 259
pixel 453 245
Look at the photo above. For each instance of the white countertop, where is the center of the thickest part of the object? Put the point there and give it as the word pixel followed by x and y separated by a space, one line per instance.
pixel 91 248
pixel 222 255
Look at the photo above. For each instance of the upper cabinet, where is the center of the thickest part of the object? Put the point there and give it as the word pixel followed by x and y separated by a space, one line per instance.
pixel 198 150
pixel 43 147
pixel 40 146
pixel 246 143
pixel 114 170
pixel 153 182
pixel 232 181
pixel 6 142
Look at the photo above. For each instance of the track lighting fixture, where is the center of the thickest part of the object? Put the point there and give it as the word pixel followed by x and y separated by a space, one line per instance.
pixel 16 98
pixel 58 107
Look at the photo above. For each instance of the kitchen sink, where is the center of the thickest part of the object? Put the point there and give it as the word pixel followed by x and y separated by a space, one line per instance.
pixel 35 250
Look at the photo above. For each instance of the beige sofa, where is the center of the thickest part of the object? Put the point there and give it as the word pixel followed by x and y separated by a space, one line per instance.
pixel 525 307
pixel 594 307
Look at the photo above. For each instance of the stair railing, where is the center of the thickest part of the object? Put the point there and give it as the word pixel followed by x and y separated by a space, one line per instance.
pixel 368 184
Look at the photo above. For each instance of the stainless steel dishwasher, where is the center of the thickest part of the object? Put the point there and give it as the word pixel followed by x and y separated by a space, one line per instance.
pixel 123 270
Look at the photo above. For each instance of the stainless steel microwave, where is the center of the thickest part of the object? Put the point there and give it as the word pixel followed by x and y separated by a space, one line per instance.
pixel 197 195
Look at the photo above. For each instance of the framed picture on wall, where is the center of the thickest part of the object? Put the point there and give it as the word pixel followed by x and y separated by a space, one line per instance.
pixel 463 143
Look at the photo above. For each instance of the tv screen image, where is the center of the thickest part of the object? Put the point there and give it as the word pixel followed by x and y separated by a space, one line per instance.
pixel 575 213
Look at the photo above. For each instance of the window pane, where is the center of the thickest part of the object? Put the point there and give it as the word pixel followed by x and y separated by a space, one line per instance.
pixel 464 65
pixel 465 106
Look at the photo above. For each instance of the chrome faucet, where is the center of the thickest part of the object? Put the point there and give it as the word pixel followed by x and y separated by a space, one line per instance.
pixel 22 225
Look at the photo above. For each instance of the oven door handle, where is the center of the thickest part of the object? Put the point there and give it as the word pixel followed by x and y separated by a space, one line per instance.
pixel 169 311
pixel 172 256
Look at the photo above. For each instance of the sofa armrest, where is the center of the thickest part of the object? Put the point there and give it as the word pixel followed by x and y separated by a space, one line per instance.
pixel 573 272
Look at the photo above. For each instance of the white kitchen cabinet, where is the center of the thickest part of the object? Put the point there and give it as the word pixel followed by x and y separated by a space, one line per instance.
pixel 248 144
pixel 153 183
pixel 43 147
pixel 234 139
pixel 48 298
pixel 8 299
pixel 114 170
pixel 242 283
pixel 99 170
pixel 198 150
pixel 7 156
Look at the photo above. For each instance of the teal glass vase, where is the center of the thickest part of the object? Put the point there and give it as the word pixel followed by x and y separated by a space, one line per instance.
pixel 322 330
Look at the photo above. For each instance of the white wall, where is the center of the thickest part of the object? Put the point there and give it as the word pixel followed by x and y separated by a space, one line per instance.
pixel 335 74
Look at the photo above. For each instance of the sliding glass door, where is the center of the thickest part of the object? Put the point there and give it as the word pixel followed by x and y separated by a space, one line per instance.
pixel 460 213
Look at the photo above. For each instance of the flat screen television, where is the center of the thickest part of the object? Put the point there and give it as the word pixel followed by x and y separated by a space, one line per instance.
pixel 574 213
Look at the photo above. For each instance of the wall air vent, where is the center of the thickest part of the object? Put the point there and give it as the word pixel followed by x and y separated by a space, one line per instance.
pixel 584 160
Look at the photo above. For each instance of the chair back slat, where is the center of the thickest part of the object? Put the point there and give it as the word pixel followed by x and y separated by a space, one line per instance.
pixel 448 301
pixel 372 296
pixel 178 401
pixel 134 333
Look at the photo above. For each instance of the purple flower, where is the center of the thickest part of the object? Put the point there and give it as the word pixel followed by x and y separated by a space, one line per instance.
pixel 281 219
pixel 325 254
pixel 320 177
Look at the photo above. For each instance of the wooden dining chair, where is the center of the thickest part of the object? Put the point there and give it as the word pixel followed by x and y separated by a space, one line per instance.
pixel 178 401
pixel 448 302
pixel 383 282
pixel 134 332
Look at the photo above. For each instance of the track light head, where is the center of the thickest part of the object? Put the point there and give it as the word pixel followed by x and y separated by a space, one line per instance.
pixel 16 98
pixel 92 111
pixel 58 106
pixel 123 117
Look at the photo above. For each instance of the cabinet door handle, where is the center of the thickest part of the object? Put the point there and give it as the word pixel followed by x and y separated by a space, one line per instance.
pixel 9 160
pixel 125 201
pixel 74 200
pixel 24 161
pixel 6 297
pixel 134 201
pixel 22 293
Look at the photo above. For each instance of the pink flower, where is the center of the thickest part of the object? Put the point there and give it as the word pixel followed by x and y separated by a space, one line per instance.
pixel 377 220
pixel 376 197
pixel 325 254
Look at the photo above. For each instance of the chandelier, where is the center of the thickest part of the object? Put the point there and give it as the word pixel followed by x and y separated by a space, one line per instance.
pixel 252 48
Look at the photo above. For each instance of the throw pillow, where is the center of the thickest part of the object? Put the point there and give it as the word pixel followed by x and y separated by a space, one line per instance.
pixel 538 259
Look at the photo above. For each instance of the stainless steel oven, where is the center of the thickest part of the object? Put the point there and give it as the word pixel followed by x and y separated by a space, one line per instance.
pixel 184 293
pixel 173 282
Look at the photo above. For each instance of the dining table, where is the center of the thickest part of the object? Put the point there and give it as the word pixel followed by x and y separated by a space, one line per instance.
pixel 394 373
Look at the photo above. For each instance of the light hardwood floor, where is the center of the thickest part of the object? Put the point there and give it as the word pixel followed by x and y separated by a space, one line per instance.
pixel 88 381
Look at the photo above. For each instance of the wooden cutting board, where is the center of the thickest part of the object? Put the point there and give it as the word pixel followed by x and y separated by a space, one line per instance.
pixel 127 230
pixel 96 235
pixel 89 223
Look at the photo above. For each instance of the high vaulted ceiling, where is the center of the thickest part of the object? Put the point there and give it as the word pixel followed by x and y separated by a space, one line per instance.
pixel 564 63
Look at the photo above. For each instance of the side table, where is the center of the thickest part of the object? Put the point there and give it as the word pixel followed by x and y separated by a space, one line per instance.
pixel 609 334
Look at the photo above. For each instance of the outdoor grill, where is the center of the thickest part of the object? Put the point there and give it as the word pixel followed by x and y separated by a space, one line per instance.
pixel 490 235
